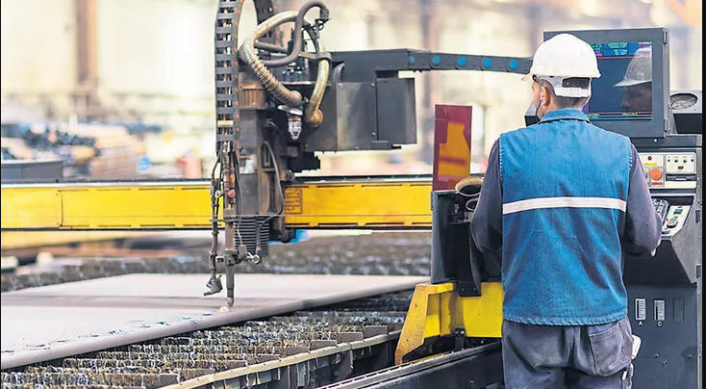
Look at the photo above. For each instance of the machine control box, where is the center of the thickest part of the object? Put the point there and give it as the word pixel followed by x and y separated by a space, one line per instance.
pixel 673 216
pixel 675 220
pixel 670 170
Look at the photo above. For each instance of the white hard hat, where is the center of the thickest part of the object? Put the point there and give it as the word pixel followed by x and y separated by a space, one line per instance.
pixel 564 56
pixel 639 69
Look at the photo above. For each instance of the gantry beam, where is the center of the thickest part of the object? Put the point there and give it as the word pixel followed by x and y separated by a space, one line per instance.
pixel 372 203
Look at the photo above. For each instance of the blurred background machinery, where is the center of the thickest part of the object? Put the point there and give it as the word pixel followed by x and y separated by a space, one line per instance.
pixel 112 62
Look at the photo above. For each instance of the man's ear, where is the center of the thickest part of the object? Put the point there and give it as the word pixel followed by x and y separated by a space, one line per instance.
pixel 545 97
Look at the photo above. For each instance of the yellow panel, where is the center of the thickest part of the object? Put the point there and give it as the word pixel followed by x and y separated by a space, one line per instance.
pixel 454 159
pixel 438 310
pixel 434 320
pixel 30 207
pixel 148 207
pixel 416 326
pixel 186 205
pixel 482 317
pixel 359 205
pixel 448 315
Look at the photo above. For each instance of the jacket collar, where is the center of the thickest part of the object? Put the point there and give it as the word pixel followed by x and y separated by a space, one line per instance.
pixel 564 114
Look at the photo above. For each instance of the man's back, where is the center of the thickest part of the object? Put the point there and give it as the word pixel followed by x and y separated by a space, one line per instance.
pixel 564 194
pixel 564 201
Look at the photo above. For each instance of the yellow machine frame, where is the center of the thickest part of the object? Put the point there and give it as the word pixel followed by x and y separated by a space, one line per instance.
pixel 185 206
pixel 438 310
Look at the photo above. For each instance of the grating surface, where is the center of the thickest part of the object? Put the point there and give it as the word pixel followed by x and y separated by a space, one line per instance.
pixel 97 314
pixel 181 357
pixel 171 360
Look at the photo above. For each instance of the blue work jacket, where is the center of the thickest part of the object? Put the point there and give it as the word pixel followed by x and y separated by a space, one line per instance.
pixel 562 201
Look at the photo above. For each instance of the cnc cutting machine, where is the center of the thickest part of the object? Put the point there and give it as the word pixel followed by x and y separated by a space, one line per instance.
pixel 278 105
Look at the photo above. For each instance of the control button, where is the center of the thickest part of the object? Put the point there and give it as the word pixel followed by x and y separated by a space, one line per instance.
pixel 678 211
pixel 640 309
pixel 665 232
pixel 671 223
pixel 660 310
pixel 656 174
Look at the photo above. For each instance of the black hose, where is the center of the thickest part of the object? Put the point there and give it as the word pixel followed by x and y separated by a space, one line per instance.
pixel 314 39
pixel 214 220
pixel 297 37
pixel 338 72
pixel 270 47
pixel 279 49
pixel 214 284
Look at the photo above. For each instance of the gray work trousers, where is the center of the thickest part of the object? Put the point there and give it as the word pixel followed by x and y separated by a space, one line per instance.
pixel 595 357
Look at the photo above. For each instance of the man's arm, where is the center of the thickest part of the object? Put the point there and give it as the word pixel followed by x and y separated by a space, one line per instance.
pixel 486 226
pixel 643 226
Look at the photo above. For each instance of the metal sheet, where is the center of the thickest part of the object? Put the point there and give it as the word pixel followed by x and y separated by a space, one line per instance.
pixel 56 321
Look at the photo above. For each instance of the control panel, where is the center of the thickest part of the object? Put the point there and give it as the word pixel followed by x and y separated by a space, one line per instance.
pixel 673 216
pixel 670 170
pixel 675 220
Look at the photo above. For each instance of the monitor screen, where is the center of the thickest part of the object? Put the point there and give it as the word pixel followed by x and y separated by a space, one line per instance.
pixel 630 97
pixel 624 90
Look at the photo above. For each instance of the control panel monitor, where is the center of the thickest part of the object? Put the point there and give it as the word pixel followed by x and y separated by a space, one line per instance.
pixel 631 96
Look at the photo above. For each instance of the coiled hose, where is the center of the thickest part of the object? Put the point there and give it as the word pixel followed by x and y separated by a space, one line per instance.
pixel 267 79
pixel 300 24
pixel 312 114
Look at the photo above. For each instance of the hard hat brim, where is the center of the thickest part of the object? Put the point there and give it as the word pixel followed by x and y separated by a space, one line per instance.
pixel 626 83
pixel 528 77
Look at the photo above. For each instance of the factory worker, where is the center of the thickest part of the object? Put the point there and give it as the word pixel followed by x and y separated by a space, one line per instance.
pixel 562 202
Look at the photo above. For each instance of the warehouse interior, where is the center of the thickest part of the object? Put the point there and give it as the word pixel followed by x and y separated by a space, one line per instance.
pixel 312 263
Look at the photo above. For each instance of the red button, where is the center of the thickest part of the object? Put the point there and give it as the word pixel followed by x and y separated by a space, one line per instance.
pixel 656 174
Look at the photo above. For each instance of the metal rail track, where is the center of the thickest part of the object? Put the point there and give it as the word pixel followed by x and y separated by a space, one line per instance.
pixel 307 349
pixel 448 371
